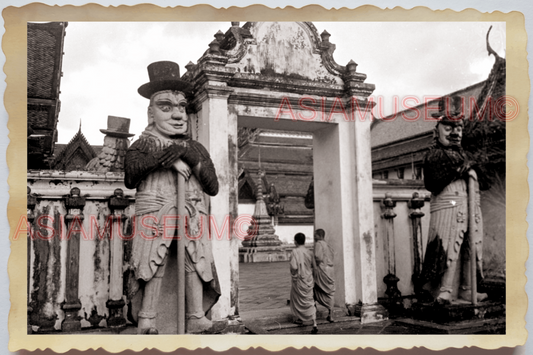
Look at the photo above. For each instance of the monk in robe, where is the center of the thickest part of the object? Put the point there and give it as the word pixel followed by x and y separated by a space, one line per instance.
pixel 301 267
pixel 324 273
pixel 152 163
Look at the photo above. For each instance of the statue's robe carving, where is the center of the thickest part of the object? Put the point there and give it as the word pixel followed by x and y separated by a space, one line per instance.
pixel 156 196
pixel 448 238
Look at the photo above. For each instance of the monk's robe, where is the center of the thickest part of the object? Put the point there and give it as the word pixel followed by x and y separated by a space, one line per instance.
pixel 302 302
pixel 324 274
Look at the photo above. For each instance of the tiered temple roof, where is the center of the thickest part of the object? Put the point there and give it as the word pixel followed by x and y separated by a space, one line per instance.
pixel 75 155
pixel 45 56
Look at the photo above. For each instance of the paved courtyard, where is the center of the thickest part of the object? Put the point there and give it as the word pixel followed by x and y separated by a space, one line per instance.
pixel 264 289
pixel 264 286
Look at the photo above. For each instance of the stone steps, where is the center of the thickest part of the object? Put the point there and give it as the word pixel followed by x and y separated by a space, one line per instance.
pixel 280 320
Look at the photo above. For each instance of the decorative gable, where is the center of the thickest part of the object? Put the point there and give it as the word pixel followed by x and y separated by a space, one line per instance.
pixel 290 49
pixel 75 155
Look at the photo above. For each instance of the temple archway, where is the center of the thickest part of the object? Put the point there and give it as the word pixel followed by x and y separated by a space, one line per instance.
pixel 282 75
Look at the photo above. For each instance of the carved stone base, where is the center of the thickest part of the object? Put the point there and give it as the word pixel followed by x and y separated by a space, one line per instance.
pixel 392 291
pixel 478 326
pixel 29 328
pixel 262 254
pixel 47 325
pixel 369 313
pixel 457 312
pixel 494 287
pixel 228 326
pixel 71 323
pixel 116 317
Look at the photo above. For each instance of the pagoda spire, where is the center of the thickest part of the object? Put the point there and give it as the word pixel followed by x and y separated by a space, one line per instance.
pixel 262 244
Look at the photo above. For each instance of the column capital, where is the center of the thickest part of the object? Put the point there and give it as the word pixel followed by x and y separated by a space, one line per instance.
pixel 118 201
pixel 31 202
pixel 358 88
pixel 211 69
pixel 389 205
pixel 415 204
pixel 211 92
pixel 210 78
pixel 74 200
pixel 359 108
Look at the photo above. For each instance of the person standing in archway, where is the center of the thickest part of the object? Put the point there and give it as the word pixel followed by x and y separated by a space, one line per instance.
pixel 324 289
pixel 301 267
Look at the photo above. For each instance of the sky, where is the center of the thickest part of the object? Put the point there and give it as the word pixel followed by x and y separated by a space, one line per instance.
pixel 105 62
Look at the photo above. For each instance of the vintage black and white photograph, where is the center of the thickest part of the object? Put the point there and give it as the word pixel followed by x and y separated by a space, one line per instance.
pixel 266 178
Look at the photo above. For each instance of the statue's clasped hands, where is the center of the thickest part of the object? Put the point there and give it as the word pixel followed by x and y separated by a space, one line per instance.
pixel 171 159
pixel 182 168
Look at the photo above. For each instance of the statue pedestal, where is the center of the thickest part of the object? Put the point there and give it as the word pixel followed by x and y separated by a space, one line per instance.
pixel 457 312
pixel 369 313
pixel 479 326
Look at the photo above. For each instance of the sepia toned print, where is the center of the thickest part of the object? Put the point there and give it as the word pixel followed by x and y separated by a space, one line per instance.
pixel 191 221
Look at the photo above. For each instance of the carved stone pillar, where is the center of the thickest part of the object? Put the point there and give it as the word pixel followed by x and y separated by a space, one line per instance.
pixel 415 204
pixel 359 110
pixel 74 218
pixel 115 303
pixel 31 202
pixel 391 280
pixel 210 76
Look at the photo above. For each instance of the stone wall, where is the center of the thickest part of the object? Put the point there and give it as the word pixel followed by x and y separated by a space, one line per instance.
pixel 50 236
pixel 48 253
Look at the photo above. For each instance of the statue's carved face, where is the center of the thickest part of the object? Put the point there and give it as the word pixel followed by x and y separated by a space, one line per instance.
pixel 450 135
pixel 167 113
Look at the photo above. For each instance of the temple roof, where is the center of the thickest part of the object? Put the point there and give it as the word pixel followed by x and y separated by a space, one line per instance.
pixel 45 46
pixel 395 127
pixel 44 58
pixel 397 142
pixel 59 147
pixel 75 155
pixel 287 160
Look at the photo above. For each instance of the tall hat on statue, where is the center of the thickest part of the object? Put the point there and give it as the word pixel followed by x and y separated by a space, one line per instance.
pixel 163 75
pixel 118 127
pixel 451 111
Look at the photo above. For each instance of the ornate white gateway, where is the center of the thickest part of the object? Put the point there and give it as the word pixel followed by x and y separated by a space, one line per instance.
pixel 282 75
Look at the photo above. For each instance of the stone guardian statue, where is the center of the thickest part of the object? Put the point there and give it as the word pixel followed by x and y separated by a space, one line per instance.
pixel 447 265
pixel 152 163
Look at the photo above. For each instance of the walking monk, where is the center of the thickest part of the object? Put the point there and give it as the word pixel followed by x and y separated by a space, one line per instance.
pixel 324 273
pixel 301 265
